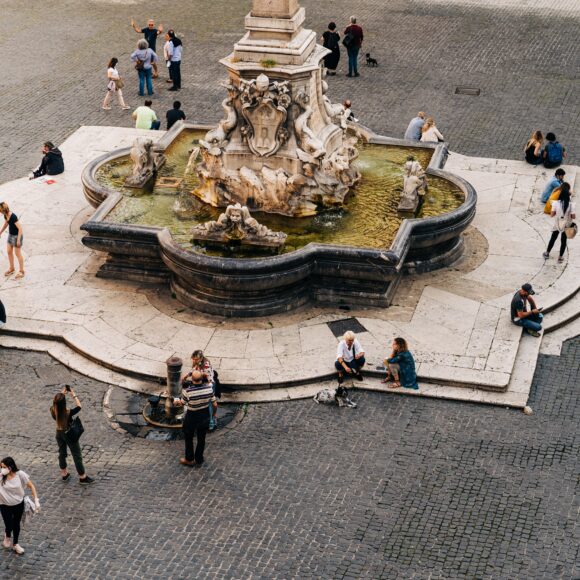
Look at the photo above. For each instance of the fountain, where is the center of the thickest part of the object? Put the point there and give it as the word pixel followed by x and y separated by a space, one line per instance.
pixel 284 172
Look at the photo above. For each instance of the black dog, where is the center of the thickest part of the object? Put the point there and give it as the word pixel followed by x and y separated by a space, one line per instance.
pixel 371 61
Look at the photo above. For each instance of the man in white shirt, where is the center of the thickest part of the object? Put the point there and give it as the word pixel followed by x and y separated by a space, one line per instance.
pixel 350 357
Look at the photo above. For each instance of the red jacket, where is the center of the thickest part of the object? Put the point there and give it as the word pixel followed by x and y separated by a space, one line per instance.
pixel 357 33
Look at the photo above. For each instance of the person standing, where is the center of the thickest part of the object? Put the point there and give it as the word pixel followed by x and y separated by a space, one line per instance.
pixel 563 213
pixel 413 132
pixel 150 34
pixel 530 320
pixel 64 418
pixel 533 148
pixel 145 117
pixel 12 491
pixel 553 184
pixel 15 238
pixel 331 40
pixel 202 364
pixel 554 153
pixel 174 51
pixel 353 39
pixel 174 115
pixel 52 162
pixel 350 357
pixel 144 59
pixel 401 366
pixel 430 133
pixel 114 86
pixel 167 58
pixel 196 396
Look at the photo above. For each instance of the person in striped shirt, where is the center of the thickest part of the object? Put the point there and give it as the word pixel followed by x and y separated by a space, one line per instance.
pixel 196 397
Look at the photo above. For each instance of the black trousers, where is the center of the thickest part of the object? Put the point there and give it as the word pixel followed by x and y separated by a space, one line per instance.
pixel 175 73
pixel 75 449
pixel 195 423
pixel 563 241
pixel 12 515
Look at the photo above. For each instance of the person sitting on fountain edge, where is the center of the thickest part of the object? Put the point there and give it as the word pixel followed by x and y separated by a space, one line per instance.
pixel 350 357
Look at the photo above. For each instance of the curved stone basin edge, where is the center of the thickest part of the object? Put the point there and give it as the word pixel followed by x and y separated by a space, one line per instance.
pixel 324 273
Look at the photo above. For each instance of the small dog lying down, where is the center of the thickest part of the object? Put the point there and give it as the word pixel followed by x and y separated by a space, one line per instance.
pixel 338 396
pixel 371 61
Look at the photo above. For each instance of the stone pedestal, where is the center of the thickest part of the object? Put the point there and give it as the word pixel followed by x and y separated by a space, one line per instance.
pixel 281 146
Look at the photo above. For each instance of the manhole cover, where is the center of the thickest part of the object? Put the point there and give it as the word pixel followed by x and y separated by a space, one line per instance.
pixel 339 327
pixel 471 91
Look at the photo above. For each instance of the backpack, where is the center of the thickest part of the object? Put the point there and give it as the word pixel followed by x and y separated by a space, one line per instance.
pixel 140 64
pixel 554 152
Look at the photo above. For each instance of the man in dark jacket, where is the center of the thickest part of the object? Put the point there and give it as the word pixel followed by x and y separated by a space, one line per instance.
pixel 52 163
pixel 353 37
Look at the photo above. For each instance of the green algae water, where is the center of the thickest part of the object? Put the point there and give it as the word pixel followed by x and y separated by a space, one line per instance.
pixel 369 219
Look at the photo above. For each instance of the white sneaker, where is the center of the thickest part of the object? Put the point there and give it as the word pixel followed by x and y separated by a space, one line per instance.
pixel 18 549
pixel 7 543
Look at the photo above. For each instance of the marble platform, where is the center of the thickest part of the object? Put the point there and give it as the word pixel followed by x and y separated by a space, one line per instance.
pixel 456 320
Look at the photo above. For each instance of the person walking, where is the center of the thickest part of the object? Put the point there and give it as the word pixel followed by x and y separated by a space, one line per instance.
pixel 352 40
pixel 174 51
pixel 52 162
pixel 145 117
pixel 350 357
pixel 144 59
pixel 150 34
pixel 331 40
pixel 114 86
pixel 64 418
pixel 563 213
pixel 554 183
pixel 430 133
pixel 175 114
pixel 533 148
pixel 554 153
pixel 15 239
pixel 401 366
pixel 13 486
pixel 196 396
pixel 413 132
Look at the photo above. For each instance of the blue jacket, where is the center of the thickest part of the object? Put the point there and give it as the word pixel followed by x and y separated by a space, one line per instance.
pixel 407 373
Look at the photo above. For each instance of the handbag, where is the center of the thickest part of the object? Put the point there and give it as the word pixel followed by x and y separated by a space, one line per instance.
pixel 139 64
pixel 571 230
pixel 75 430
pixel 119 84
pixel 348 40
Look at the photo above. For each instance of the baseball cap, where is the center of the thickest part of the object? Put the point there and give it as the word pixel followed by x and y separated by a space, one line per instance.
pixel 528 288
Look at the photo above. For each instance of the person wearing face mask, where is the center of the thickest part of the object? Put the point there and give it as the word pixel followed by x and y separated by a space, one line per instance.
pixel 13 482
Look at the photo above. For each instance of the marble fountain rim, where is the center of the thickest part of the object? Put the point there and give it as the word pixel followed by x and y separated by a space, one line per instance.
pixel 411 229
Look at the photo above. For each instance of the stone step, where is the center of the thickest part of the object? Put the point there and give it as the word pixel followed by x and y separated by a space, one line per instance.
pixel 564 314
pixel 552 342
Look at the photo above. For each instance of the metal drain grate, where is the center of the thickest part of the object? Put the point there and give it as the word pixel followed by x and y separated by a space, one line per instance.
pixel 471 91
pixel 339 327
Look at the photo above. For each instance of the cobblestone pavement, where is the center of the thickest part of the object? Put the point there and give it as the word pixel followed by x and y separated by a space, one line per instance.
pixel 522 55
pixel 398 488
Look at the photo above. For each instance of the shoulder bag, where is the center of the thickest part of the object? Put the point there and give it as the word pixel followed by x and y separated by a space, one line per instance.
pixel 119 84
pixel 571 230
pixel 348 40
pixel 75 430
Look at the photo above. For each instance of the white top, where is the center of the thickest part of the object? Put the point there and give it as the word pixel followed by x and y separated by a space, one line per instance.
pixel 112 73
pixel 166 50
pixel 432 134
pixel 12 492
pixel 561 220
pixel 347 354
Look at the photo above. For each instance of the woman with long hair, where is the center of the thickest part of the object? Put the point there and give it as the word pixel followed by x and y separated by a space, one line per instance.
pixel 533 148
pixel 430 133
pixel 563 212
pixel 15 239
pixel 401 366
pixel 200 363
pixel 63 418
pixel 114 86
pixel 13 482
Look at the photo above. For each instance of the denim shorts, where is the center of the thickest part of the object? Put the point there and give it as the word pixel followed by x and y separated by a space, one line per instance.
pixel 13 238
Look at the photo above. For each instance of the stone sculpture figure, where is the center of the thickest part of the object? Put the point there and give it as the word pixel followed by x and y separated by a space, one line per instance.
pixel 217 139
pixel 146 163
pixel 236 223
pixel 414 186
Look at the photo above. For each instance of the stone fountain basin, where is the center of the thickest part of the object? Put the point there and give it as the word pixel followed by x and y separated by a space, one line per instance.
pixel 328 274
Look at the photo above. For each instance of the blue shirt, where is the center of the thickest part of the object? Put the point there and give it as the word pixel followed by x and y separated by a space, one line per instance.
pixel 147 56
pixel 550 187
pixel 413 131
pixel 174 52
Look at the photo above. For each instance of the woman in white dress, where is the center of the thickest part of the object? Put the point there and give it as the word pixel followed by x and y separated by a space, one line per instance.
pixel 430 133
pixel 114 85
pixel 563 212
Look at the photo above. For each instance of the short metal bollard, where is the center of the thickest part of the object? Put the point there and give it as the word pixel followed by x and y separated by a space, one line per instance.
pixel 174 365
